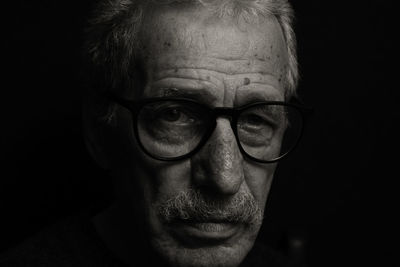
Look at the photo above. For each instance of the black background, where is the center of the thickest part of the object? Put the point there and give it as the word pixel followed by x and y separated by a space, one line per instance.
pixel 336 192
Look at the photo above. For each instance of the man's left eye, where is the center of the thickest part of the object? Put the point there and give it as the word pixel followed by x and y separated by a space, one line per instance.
pixel 252 121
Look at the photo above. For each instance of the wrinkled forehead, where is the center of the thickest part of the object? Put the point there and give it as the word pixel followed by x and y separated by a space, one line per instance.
pixel 193 31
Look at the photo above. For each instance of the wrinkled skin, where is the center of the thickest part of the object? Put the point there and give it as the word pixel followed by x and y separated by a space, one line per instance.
pixel 222 63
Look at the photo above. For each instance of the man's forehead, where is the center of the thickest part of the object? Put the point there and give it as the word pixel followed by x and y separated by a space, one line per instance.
pixel 196 31
pixel 167 63
pixel 194 44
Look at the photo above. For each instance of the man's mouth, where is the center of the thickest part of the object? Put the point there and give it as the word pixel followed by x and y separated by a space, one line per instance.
pixel 204 233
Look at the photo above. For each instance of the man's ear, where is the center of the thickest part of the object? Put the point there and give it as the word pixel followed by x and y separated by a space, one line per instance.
pixel 94 135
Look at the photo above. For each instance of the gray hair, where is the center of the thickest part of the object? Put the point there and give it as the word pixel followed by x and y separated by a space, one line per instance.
pixel 112 38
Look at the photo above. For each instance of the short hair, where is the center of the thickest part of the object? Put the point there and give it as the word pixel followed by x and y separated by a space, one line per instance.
pixel 111 50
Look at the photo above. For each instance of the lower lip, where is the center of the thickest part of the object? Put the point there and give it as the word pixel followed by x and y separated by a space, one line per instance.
pixel 205 231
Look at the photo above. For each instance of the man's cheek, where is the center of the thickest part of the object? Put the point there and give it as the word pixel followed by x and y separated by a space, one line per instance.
pixel 258 178
pixel 163 180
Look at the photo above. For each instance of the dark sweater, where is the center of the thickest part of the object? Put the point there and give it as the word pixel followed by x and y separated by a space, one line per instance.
pixel 74 242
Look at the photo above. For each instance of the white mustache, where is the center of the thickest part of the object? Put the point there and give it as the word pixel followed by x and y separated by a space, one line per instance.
pixel 194 206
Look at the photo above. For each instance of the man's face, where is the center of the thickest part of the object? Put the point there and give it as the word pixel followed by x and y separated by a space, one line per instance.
pixel 188 205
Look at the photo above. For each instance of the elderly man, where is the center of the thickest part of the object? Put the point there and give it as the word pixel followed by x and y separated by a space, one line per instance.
pixel 188 109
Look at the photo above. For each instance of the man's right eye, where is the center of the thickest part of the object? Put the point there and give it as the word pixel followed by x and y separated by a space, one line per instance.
pixel 175 115
pixel 171 115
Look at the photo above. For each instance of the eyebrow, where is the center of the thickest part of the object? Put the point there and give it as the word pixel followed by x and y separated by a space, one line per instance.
pixel 229 66
pixel 200 95
pixel 255 96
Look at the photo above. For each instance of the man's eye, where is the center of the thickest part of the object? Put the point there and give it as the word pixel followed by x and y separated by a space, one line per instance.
pixel 253 121
pixel 171 115
pixel 175 115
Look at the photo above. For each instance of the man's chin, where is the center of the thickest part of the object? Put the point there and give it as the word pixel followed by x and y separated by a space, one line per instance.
pixel 205 244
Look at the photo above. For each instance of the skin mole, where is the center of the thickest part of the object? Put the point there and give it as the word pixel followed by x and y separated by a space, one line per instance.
pixel 246 81
pixel 281 71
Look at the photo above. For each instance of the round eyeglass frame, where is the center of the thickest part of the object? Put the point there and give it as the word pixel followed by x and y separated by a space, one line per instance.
pixel 214 112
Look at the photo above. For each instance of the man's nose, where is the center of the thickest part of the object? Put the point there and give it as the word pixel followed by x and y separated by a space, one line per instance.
pixel 218 166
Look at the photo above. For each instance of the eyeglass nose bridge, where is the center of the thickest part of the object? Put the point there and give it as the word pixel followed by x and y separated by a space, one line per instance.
pixel 228 113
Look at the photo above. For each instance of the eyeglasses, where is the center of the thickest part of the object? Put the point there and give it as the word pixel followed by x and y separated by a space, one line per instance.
pixel 170 128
